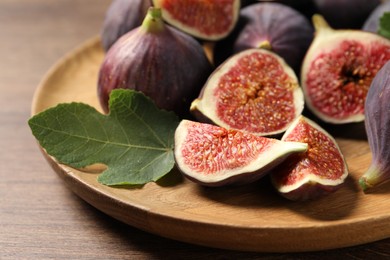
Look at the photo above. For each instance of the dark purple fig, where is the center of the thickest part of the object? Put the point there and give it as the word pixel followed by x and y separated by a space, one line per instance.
pixel 318 171
pixel 346 14
pixel 162 62
pixel 214 156
pixel 377 123
pixel 372 22
pixel 121 17
pixel 272 26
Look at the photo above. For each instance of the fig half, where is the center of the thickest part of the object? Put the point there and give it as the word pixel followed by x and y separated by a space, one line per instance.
pixel 338 69
pixel 208 20
pixel 164 63
pixel 214 156
pixel 377 125
pixel 318 171
pixel 253 91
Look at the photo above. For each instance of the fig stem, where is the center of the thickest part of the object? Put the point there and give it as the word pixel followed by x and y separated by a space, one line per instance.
pixel 371 178
pixel 153 21
pixel 265 45
pixel 320 24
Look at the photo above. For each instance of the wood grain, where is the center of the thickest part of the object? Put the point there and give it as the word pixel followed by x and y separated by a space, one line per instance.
pixel 40 218
pixel 247 218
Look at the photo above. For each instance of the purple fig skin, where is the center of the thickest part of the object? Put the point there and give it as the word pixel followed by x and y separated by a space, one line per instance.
pixel 121 17
pixel 346 14
pixel 272 26
pixel 165 64
pixel 377 123
pixel 372 22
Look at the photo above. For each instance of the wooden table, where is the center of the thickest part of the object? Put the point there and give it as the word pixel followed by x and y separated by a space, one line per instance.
pixel 40 218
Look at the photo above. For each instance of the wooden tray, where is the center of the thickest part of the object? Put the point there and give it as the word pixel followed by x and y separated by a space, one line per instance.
pixel 249 218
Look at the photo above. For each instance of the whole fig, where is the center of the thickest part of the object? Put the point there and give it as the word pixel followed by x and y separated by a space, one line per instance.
pixel 377 123
pixel 346 14
pixel 272 26
pixel 372 22
pixel 162 62
pixel 121 17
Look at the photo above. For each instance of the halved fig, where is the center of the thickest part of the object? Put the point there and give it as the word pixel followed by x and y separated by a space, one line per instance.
pixel 253 91
pixel 207 19
pixel 338 69
pixel 319 171
pixel 214 156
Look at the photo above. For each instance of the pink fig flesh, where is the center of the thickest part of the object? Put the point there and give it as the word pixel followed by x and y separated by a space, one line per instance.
pixel 253 91
pixel 312 174
pixel 214 156
pixel 209 20
pixel 338 70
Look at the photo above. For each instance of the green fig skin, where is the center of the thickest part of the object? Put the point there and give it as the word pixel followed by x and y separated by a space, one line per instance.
pixel 377 124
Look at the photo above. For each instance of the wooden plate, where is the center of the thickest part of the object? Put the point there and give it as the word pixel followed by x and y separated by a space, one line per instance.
pixel 249 218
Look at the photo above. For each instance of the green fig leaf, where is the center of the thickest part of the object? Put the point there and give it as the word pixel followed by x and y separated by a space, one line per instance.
pixel 384 25
pixel 135 140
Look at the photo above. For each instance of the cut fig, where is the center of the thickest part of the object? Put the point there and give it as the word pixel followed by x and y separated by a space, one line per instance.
pixel 253 91
pixel 214 156
pixel 377 125
pixel 164 63
pixel 338 69
pixel 208 20
pixel 319 171
pixel 121 17
pixel 273 26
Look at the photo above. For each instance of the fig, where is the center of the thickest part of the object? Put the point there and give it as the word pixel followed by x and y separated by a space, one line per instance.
pixel 121 17
pixel 377 124
pixel 207 20
pixel 253 91
pixel 164 63
pixel 214 156
pixel 273 26
pixel 338 69
pixel 315 173
pixel 346 14
pixel 372 22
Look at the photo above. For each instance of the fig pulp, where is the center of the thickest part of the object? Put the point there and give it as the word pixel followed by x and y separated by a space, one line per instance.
pixel 214 156
pixel 338 69
pixel 122 16
pixel 377 125
pixel 165 64
pixel 315 173
pixel 273 26
pixel 207 19
pixel 253 91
